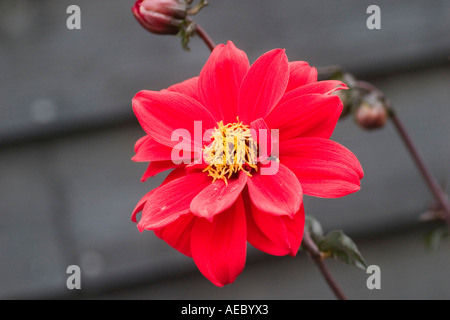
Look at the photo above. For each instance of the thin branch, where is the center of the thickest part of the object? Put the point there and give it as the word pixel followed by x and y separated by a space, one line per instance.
pixel 430 180
pixel 433 185
pixel 314 253
pixel 205 37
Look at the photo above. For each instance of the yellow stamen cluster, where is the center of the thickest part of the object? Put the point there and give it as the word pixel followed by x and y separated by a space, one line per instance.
pixel 232 150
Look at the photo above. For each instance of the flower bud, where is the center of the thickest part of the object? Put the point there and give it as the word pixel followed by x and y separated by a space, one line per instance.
pixel 160 16
pixel 371 113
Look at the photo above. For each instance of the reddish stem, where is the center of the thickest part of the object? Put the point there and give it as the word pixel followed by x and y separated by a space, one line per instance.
pixel 426 173
pixel 437 191
pixel 315 254
pixel 205 37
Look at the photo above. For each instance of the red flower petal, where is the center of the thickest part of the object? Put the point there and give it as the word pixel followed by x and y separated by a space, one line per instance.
pixel 263 138
pixel 295 228
pixel 156 167
pixel 311 115
pixel 147 149
pixel 263 86
pixel 188 87
pixel 140 142
pixel 175 174
pixel 323 87
pixel 277 194
pixel 275 235
pixel 300 73
pixel 140 205
pixel 178 233
pixel 217 197
pixel 171 200
pixel 220 80
pixel 324 167
pixel 219 247
pixel 161 113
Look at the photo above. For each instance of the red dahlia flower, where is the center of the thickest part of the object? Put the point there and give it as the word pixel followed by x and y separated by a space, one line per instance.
pixel 209 209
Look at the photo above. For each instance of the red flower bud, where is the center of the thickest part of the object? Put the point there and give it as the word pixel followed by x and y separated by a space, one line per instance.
pixel 371 114
pixel 160 16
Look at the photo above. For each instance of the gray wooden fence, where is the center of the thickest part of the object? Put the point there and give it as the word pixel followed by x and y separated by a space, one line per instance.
pixel 68 186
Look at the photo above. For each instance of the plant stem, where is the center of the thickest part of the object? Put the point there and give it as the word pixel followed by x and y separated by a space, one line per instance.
pixel 313 251
pixel 433 185
pixel 205 37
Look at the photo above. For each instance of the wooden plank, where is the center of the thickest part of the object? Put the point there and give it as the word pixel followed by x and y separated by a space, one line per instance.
pixel 51 74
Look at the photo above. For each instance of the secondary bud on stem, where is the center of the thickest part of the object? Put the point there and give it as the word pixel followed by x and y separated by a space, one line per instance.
pixel 371 113
pixel 160 16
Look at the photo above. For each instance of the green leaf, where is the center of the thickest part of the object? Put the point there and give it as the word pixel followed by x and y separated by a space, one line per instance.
pixel 434 238
pixel 341 247
pixel 314 228
pixel 187 30
pixel 185 37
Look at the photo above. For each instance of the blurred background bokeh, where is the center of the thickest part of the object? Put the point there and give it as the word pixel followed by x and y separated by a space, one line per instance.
pixel 67 132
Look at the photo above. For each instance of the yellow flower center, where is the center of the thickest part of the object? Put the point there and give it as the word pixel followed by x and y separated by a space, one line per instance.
pixel 232 150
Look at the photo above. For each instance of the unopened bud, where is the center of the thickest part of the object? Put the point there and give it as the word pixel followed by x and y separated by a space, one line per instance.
pixel 371 113
pixel 160 16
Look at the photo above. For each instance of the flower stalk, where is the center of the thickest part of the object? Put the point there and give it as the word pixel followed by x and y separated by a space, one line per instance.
pixel 319 259
pixel 439 194
pixel 433 185
pixel 204 36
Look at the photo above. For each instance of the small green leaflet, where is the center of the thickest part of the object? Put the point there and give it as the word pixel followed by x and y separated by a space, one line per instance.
pixel 335 244
pixel 341 247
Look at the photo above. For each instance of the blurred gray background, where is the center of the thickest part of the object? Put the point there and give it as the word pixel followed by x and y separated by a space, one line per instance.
pixel 68 186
